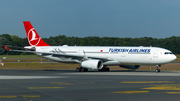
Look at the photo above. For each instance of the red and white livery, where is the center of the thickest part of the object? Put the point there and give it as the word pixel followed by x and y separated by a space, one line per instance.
pixel 96 57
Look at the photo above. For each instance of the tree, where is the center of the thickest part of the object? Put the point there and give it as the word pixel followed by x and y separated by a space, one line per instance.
pixel 3 41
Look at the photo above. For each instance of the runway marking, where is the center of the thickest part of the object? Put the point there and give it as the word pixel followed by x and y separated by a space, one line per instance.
pixel 130 92
pixel 30 96
pixel 147 82
pixel 73 83
pixel 30 77
pixel 169 73
pixel 165 87
pixel 8 96
pixel 173 92
pixel 24 96
pixel 85 83
pixel 62 83
pixel 45 87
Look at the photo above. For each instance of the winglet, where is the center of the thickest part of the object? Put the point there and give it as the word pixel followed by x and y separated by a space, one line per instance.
pixel 33 37
pixel 5 47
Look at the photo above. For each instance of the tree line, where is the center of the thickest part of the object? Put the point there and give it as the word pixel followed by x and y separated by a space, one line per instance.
pixel 171 43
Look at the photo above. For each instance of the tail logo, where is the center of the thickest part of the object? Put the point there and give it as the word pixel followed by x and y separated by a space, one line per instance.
pixel 33 38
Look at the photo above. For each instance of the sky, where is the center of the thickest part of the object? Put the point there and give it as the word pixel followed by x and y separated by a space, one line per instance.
pixel 84 18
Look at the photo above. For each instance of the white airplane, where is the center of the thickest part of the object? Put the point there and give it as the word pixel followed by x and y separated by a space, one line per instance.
pixel 96 57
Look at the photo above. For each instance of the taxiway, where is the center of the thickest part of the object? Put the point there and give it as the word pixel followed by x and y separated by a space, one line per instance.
pixel 68 85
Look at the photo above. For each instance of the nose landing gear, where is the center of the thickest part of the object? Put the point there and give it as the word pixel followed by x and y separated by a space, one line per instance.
pixel 158 68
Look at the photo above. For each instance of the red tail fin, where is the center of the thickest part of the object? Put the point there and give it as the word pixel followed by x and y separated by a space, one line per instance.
pixel 5 47
pixel 33 37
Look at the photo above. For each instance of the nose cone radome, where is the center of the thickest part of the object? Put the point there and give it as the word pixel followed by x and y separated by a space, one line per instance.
pixel 172 58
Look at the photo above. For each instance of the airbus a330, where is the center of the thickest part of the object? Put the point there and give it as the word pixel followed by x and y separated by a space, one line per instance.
pixel 96 57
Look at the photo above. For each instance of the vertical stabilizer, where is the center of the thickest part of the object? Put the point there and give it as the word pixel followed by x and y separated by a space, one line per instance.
pixel 33 37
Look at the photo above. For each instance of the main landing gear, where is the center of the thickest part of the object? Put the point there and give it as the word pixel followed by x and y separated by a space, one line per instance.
pixel 105 68
pixel 158 68
pixel 81 69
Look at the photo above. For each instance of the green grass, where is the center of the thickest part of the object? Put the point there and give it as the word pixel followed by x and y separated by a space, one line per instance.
pixel 49 66
pixel 22 58
pixel 11 62
pixel 177 55
pixel 72 66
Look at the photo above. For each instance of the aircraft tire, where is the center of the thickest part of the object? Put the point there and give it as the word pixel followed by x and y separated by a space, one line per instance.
pixel 77 69
pixel 107 69
pixel 81 70
pixel 85 69
pixel 157 70
pixel 104 69
pixel 100 70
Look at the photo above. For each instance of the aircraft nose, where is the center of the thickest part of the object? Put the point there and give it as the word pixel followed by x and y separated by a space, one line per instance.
pixel 174 57
pixel 171 58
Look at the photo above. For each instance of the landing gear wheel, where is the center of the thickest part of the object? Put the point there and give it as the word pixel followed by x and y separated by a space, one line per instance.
pixel 107 69
pixel 104 69
pixel 81 69
pixel 157 70
pixel 100 70
pixel 77 69
pixel 85 69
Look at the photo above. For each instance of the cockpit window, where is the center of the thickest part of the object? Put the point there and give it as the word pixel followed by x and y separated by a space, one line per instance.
pixel 168 53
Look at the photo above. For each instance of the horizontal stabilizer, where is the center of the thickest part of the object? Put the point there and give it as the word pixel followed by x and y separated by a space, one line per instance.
pixel 5 47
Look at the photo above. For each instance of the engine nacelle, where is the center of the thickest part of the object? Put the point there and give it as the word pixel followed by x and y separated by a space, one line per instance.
pixel 92 64
pixel 30 48
pixel 130 66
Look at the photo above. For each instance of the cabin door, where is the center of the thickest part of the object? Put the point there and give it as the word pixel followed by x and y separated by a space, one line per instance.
pixel 123 54
pixel 155 54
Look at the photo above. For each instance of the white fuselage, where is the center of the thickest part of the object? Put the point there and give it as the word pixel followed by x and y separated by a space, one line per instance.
pixel 116 55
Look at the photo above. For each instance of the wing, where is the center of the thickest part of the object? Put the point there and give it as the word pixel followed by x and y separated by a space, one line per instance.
pixel 77 56
pixel 63 54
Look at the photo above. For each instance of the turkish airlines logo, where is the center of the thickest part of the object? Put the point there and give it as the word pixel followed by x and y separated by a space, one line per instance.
pixel 33 38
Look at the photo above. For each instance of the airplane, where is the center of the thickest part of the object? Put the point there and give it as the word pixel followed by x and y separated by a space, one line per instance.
pixel 96 57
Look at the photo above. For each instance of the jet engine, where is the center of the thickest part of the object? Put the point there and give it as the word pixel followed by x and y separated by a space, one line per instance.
pixel 92 64
pixel 30 48
pixel 130 66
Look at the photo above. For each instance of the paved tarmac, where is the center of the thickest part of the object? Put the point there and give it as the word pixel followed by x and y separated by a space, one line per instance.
pixel 68 85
